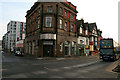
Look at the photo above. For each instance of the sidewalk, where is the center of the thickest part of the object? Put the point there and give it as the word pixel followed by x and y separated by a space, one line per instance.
pixel 117 68
pixel 66 57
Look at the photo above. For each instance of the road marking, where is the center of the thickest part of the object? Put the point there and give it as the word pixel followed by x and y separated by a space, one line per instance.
pixel 80 65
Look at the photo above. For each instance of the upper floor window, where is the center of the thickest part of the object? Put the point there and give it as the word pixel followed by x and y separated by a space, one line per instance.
pixel 66 14
pixel 66 27
pixel 87 41
pixel 48 21
pixel 72 27
pixel 80 30
pixel 38 23
pixel 61 11
pixel 86 32
pixel 49 9
pixel 91 39
pixel 81 41
pixel 61 25
pixel 39 11
pixel 72 17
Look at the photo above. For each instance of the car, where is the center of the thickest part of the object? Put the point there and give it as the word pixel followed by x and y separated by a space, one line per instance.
pixel 2 52
pixel 18 53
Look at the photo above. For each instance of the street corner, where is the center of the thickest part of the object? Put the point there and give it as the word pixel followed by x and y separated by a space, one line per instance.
pixel 112 67
pixel 117 68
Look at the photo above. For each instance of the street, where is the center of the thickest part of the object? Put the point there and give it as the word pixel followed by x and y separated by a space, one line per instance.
pixel 71 67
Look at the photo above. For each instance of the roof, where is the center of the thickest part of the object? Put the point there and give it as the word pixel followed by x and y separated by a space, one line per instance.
pixel 92 26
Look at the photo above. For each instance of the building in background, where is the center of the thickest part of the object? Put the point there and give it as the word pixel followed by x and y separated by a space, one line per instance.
pixel 5 42
pixel 15 32
pixel 0 45
pixel 88 36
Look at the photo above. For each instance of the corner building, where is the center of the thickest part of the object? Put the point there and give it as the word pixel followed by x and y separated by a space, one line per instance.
pixel 51 30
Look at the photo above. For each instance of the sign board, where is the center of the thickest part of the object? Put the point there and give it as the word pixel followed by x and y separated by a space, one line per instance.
pixel 48 36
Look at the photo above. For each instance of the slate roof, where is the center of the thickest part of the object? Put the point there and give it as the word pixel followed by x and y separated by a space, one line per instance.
pixel 92 26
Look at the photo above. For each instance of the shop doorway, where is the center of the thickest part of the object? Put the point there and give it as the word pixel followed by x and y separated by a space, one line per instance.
pixel 48 51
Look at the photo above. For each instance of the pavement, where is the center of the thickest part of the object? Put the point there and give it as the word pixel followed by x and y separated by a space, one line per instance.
pixel 66 57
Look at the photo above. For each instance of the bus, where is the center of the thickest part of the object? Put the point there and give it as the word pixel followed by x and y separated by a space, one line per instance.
pixel 107 50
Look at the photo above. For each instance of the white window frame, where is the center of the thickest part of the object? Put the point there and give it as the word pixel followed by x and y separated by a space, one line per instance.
pixel 80 30
pixel 48 22
pixel 86 32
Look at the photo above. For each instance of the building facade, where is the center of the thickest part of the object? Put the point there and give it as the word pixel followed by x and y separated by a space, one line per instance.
pixel 88 37
pixel 51 29
pixel 15 32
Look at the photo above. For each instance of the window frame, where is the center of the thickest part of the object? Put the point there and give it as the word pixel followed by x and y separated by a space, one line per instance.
pixel 49 9
pixel 48 22
pixel 61 24
pixel 66 26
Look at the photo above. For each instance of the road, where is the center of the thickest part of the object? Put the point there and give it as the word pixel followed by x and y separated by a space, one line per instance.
pixel 73 67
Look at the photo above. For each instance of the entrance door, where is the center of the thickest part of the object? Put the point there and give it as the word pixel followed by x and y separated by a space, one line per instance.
pixel 66 50
pixel 48 51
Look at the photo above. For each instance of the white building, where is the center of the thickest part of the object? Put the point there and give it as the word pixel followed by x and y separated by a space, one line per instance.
pixel 16 32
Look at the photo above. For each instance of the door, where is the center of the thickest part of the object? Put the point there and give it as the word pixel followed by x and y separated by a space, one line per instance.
pixel 48 51
pixel 66 50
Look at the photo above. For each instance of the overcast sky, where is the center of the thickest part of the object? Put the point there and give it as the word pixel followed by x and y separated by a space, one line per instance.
pixel 103 12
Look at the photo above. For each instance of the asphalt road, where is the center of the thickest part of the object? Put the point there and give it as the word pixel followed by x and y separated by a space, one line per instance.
pixel 79 67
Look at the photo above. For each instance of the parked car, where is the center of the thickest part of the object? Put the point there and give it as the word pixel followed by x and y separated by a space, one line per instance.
pixel 18 53
pixel 2 52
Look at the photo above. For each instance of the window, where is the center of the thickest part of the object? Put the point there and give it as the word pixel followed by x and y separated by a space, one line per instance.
pixel 61 11
pixel 87 41
pixel 86 32
pixel 81 41
pixel 39 11
pixel 72 27
pixel 61 47
pixel 39 23
pixel 33 17
pixel 96 39
pixel 66 14
pixel 49 9
pixel 61 25
pixel 66 26
pixel 95 43
pixel 91 38
pixel 80 30
pixel 91 48
pixel 72 17
pixel 48 21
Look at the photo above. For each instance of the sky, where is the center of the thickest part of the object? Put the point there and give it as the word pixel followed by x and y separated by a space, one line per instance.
pixel 103 12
